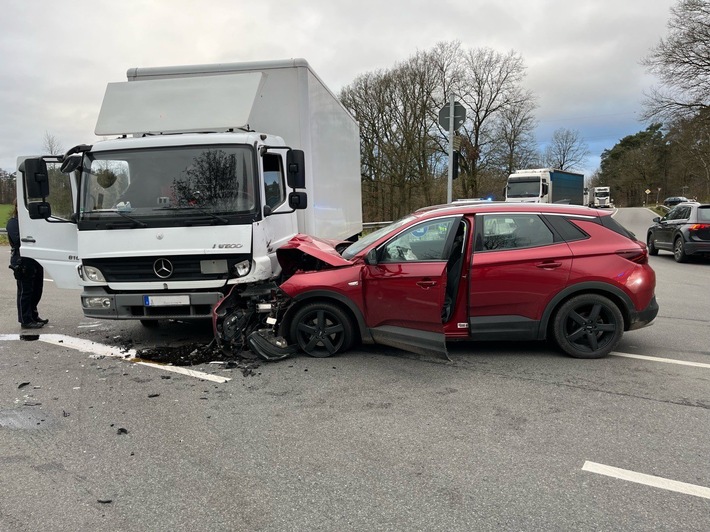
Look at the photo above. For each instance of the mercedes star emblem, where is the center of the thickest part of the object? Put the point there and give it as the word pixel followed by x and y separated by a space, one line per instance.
pixel 163 268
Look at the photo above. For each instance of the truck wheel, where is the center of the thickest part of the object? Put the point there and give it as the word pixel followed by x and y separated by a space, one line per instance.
pixel 588 326
pixel 652 249
pixel 679 250
pixel 321 329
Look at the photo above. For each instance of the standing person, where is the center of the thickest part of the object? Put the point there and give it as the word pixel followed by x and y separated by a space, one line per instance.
pixel 29 275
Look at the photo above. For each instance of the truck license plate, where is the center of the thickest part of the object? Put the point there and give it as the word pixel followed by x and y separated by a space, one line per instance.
pixel 165 301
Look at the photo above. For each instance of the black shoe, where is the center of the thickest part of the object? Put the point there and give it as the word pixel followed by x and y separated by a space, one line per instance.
pixel 32 325
pixel 40 320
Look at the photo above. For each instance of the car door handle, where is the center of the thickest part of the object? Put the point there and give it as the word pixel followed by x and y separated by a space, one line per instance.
pixel 426 284
pixel 28 239
pixel 548 265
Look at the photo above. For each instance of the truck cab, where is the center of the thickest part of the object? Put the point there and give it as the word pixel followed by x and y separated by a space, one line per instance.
pixel 189 199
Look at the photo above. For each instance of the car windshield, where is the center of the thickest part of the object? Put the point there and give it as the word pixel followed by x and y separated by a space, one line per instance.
pixel 365 241
pixel 157 182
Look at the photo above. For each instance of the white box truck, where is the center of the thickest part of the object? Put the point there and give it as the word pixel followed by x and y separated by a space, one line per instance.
pixel 210 169
pixel 545 185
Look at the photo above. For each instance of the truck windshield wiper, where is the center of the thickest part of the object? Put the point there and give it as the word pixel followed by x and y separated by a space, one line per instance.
pixel 137 222
pixel 204 213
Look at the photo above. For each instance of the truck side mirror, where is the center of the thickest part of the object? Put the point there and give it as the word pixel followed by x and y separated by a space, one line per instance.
pixel 70 164
pixel 36 177
pixel 39 210
pixel 545 189
pixel 298 200
pixel 296 169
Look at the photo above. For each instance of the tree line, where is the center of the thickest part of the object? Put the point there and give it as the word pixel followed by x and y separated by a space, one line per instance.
pixel 671 157
pixel 404 149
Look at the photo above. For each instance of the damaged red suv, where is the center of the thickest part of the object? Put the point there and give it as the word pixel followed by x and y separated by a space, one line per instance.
pixel 484 271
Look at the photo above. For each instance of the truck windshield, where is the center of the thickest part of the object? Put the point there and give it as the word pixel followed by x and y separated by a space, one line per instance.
pixel 197 181
pixel 524 189
pixel 601 193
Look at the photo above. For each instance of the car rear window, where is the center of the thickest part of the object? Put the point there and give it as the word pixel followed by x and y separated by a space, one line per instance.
pixel 565 228
pixel 610 223
pixel 704 214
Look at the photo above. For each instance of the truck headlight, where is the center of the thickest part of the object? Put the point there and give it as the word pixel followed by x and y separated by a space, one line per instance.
pixel 242 268
pixel 97 302
pixel 93 274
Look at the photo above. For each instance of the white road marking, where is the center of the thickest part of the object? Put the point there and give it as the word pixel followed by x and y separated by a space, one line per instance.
pixel 648 480
pixel 98 349
pixel 665 360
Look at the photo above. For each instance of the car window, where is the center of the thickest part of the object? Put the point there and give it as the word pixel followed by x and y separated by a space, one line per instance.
pixel 704 214
pixel 510 231
pixel 422 242
pixel 673 214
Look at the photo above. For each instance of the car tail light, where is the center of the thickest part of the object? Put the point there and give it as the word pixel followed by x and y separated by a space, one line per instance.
pixel 698 227
pixel 638 255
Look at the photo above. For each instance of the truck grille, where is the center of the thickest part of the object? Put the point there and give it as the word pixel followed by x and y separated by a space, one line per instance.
pixel 172 268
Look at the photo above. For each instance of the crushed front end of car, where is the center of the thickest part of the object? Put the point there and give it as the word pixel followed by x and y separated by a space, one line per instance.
pixel 251 317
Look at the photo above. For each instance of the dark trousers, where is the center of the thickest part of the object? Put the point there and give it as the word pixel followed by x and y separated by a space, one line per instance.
pixel 29 292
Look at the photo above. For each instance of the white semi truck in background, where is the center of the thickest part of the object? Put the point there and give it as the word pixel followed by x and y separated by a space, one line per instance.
pixel 211 169
pixel 601 197
pixel 545 185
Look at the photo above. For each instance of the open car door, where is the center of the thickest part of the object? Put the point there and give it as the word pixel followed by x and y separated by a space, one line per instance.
pixel 404 285
pixel 51 241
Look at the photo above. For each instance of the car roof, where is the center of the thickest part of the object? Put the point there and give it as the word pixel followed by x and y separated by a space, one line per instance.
pixel 482 207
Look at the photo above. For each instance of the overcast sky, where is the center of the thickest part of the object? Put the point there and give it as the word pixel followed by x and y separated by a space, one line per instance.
pixel 582 57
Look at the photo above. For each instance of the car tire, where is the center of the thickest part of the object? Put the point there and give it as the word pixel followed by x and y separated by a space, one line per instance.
pixel 321 329
pixel 652 249
pixel 679 250
pixel 588 326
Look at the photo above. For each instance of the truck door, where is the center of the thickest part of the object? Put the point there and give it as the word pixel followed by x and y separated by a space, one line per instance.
pixel 53 242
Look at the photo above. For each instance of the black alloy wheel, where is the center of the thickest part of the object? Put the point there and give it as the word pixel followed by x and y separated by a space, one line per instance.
pixel 321 329
pixel 588 326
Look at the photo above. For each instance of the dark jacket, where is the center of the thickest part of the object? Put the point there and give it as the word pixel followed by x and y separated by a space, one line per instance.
pixel 13 235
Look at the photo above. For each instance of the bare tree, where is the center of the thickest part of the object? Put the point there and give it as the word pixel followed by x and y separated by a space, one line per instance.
pixel 682 63
pixel 566 151
pixel 51 145
pixel 490 84
pixel 515 145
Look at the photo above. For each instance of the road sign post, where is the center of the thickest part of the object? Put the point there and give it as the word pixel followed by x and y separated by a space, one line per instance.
pixel 458 112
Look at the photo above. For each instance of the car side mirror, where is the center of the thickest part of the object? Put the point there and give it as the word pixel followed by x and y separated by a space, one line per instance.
pixel 371 257
pixel 656 219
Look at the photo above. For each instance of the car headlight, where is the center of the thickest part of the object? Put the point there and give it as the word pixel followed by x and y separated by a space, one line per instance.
pixel 93 274
pixel 242 268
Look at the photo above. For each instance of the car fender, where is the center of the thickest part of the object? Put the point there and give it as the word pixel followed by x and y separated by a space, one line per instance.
pixel 345 301
pixel 616 294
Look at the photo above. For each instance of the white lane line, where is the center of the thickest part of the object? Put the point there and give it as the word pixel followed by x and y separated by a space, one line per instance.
pixel 648 480
pixel 664 360
pixel 95 348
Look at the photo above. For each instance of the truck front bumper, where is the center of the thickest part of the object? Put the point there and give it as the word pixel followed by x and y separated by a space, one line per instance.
pixel 97 303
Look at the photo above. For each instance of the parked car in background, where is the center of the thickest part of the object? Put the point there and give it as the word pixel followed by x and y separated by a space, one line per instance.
pixel 481 271
pixel 674 200
pixel 684 231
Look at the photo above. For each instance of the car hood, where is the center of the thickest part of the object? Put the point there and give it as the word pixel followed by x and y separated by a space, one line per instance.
pixel 298 254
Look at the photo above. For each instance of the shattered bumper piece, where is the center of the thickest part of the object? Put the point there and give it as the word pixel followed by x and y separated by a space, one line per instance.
pixel 270 347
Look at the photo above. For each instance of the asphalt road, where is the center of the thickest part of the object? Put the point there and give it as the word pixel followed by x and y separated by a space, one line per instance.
pixel 505 437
